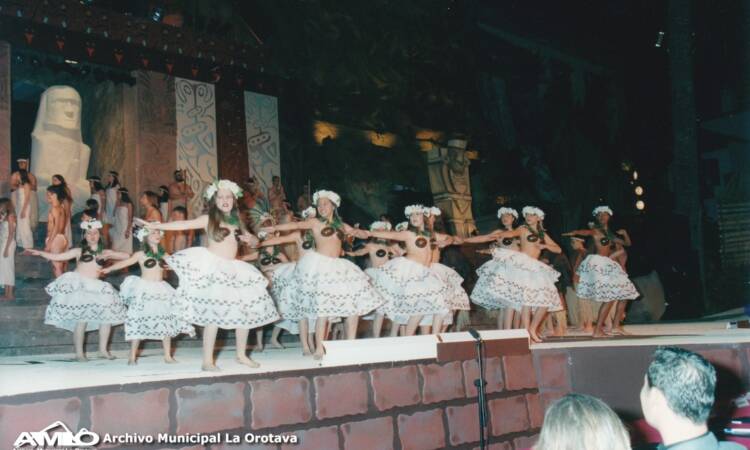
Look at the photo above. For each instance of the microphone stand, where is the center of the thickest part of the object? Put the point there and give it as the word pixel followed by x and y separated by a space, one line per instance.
pixel 481 394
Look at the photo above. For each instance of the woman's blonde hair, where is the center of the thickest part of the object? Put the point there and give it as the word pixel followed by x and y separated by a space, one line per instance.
pixel 582 422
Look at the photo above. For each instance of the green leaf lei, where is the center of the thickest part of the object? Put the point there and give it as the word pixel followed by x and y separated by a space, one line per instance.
pixel 150 253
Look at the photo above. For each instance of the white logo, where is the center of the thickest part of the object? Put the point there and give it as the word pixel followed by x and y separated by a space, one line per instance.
pixel 57 435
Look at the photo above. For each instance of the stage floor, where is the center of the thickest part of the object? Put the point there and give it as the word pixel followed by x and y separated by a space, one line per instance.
pixel 41 373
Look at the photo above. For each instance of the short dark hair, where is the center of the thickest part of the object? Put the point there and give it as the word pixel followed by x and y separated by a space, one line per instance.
pixel 91 212
pixel 687 381
pixel 92 204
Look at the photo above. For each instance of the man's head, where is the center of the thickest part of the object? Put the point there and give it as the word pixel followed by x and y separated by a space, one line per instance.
pixel 678 385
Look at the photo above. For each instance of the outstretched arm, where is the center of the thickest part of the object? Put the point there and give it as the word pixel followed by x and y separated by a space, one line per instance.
pixel 580 233
pixel 122 264
pixel 278 240
pixel 361 252
pixel 482 238
pixel 179 225
pixel 65 256
pixel 111 254
pixel 356 232
pixel 291 226
pixel 390 235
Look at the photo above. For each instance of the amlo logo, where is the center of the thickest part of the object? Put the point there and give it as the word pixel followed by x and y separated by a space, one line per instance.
pixel 63 437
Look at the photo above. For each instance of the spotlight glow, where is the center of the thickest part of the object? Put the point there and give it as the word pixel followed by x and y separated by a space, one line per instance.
pixel 635 174
pixel 638 190
pixel 640 205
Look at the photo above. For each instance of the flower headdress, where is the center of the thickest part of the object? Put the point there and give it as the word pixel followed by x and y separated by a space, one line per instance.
pixel 309 212
pixel 214 187
pixel 87 225
pixel 413 209
pixel 432 211
pixel 502 211
pixel 602 209
pixel 403 226
pixel 528 210
pixel 380 226
pixel 330 195
pixel 142 233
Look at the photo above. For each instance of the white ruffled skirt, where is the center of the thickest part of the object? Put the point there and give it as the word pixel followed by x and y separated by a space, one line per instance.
pixel 411 288
pixel 217 291
pixel 76 298
pixel 602 279
pixel 330 287
pixel 152 311
pixel 457 298
pixel 281 280
pixel 513 279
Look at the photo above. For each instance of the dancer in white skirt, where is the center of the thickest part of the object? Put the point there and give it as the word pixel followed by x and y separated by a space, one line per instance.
pixel 23 176
pixel 456 299
pixel 600 278
pixel 519 278
pixel 216 290
pixel 120 233
pixel 379 252
pixel 22 200
pixel 485 294
pixel 410 288
pixel 80 300
pixel 152 309
pixel 7 248
pixel 325 285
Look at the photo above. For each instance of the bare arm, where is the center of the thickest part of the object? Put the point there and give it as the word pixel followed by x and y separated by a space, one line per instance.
pixel 580 233
pixel 111 254
pixel 11 233
pixel 278 240
pixel 179 225
pixel 625 237
pixel 356 232
pixel 483 238
pixel 252 256
pixel 361 252
pixel 123 264
pixel 396 250
pixel 65 256
pixel 291 226
pixel 550 245
pixel 401 236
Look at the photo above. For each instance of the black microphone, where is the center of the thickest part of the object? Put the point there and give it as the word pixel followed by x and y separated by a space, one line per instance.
pixel 475 334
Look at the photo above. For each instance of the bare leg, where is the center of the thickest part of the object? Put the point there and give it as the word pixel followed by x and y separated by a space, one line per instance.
pixel 9 292
pixel 536 321
pixel 241 343
pixel 104 331
pixel 209 341
pixel 320 335
pixel 133 352
pixel 377 325
pixel 275 338
pixel 351 327
pixel 259 339
pixel 501 315
pixel 394 328
pixel 78 335
pixel 603 313
pixel 411 326
pixel 437 323
pixel 508 318
pixel 526 316
pixel 304 337
pixel 425 329
pixel 617 327
pixel 517 319
pixel 166 343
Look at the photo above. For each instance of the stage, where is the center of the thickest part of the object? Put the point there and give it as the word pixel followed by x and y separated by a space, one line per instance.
pixel 410 392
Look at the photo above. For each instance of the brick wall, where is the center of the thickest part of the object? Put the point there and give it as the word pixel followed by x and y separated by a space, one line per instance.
pixel 413 405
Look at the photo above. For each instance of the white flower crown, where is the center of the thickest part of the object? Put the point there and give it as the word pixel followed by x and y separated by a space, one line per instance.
pixel 432 211
pixel 330 195
pixel 502 211
pixel 262 235
pixel 414 209
pixel 91 225
pixel 214 187
pixel 403 226
pixel 528 210
pixel 142 233
pixel 309 212
pixel 380 226
pixel 602 209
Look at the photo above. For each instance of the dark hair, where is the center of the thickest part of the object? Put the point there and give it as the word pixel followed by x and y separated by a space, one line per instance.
pixel 61 178
pixel 92 204
pixel 124 195
pixel 215 217
pixel 153 198
pixel 24 174
pixel 91 212
pixel 181 209
pixel 59 192
pixel 97 186
pixel 275 177
pixel 687 381
pixel 115 180
pixel 164 197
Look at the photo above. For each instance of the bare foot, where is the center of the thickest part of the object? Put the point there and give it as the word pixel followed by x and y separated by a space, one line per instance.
pixel 276 344
pixel 599 334
pixel 306 352
pixel 258 348
pixel 210 368
pixel 318 355
pixel 619 331
pixel 588 329
pixel 132 362
pixel 81 358
pixel 170 360
pixel 248 362
pixel 107 355
pixel 534 337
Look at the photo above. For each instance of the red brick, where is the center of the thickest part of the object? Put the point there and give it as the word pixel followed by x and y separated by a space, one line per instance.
pixel 373 434
pixel 315 439
pixel 340 395
pixel 463 423
pixel 553 370
pixel 508 415
pixel 536 411
pixel 398 386
pixel 210 407
pixel 549 397
pixel 441 382
pixel 147 412
pixel 519 372
pixel 422 430
pixel 280 402
pixel 15 419
pixel 525 442
pixel 493 375
pixel 724 358
pixel 498 446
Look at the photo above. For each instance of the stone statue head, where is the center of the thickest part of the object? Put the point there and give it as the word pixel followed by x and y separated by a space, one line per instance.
pixel 59 112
